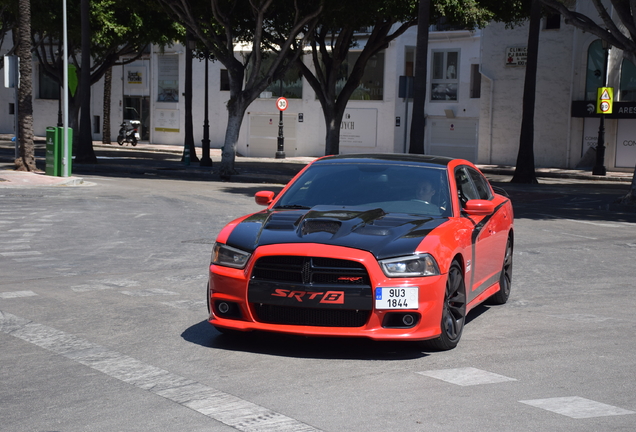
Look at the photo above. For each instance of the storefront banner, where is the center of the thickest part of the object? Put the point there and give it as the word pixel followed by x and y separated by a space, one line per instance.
pixel 359 127
pixel 626 144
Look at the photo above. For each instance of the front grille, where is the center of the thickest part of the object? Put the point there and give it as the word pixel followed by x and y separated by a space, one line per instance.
pixel 273 314
pixel 310 270
pixel 310 291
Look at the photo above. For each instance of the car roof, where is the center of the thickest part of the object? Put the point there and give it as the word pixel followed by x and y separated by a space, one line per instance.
pixel 391 158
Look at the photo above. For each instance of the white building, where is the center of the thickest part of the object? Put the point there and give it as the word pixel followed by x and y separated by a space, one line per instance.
pixel 377 119
pixel 473 108
pixel 570 70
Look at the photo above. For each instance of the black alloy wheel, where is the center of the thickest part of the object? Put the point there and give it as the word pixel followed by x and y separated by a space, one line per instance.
pixel 505 280
pixel 453 311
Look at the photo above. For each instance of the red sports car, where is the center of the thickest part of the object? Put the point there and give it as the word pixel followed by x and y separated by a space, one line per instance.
pixel 384 246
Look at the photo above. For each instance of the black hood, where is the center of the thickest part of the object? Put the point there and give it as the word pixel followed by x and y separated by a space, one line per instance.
pixel 385 235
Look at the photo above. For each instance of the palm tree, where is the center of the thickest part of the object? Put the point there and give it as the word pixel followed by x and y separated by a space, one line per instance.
pixel 525 171
pixel 26 158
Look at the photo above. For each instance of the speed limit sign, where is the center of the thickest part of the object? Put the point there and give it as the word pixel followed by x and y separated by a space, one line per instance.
pixel 281 103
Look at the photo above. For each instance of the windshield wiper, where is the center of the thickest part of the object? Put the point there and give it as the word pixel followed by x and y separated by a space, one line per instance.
pixel 292 206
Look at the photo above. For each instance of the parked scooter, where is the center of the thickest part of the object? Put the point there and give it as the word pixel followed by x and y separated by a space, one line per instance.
pixel 129 132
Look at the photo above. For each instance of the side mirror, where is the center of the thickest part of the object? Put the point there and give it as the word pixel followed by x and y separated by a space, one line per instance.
pixel 479 207
pixel 264 197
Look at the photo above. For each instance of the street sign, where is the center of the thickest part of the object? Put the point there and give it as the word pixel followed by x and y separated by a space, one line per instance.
pixel 281 103
pixel 605 100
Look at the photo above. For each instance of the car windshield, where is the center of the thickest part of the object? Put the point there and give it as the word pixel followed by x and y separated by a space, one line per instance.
pixel 401 188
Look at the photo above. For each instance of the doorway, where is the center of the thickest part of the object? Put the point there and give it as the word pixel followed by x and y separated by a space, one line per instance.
pixel 138 108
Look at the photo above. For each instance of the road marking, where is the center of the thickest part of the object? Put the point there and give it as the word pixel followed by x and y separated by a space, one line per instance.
pixel 13 247
pixel 19 253
pixel 187 304
pixel 577 407
pixel 467 376
pixel 105 284
pixel 601 224
pixel 224 407
pixel 25 230
pixel 149 292
pixel 583 318
pixel 16 294
pixel 571 235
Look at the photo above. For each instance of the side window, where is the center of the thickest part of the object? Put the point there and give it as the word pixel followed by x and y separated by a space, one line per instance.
pixel 481 184
pixel 465 189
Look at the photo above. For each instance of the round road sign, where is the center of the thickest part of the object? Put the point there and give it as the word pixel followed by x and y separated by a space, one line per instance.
pixel 281 103
pixel 605 106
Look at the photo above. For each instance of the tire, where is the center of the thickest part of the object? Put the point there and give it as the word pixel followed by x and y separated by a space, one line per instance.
pixel 505 280
pixel 134 141
pixel 120 140
pixel 453 311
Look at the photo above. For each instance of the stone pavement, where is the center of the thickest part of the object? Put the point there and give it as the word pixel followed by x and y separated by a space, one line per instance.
pixel 165 161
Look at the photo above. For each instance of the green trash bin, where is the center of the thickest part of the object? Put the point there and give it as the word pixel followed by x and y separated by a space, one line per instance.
pixel 53 148
pixel 55 152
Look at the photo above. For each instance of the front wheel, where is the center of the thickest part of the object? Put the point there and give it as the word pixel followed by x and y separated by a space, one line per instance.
pixel 505 280
pixel 453 311
pixel 120 140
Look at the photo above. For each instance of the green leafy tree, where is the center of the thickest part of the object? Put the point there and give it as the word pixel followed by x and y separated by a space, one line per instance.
pixel 239 34
pixel 617 28
pixel 331 41
pixel 118 28
pixel 7 20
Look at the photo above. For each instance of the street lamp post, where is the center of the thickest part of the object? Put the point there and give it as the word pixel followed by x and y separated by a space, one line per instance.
pixel 280 152
pixel 205 142
pixel 599 166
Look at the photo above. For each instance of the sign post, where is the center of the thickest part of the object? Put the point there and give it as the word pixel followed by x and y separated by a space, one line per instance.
pixel 604 105
pixel 281 104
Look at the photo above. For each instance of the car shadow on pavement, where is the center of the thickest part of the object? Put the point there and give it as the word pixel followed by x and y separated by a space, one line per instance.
pixel 303 347
pixel 204 334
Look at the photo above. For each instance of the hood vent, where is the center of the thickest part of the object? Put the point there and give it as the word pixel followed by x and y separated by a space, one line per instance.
pixel 317 225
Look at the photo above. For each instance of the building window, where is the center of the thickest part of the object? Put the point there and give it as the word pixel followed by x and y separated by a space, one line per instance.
pixel 475 81
pixel 628 82
pixel 292 83
pixel 225 80
pixel 553 22
pixel 168 78
pixel 49 88
pixel 371 85
pixel 595 69
pixel 445 75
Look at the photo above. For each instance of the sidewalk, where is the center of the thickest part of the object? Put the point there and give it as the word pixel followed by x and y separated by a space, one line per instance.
pixel 165 161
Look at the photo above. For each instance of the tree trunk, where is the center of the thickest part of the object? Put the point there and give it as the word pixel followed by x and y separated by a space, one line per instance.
pixel 236 111
pixel 85 152
pixel 26 159
pixel 630 197
pixel 418 120
pixel 108 81
pixel 524 171
pixel 189 133
pixel 333 121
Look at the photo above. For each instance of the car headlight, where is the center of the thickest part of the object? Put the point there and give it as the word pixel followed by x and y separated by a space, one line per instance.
pixel 228 256
pixel 410 266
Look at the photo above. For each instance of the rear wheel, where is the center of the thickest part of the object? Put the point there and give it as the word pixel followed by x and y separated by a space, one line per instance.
pixel 505 280
pixel 453 311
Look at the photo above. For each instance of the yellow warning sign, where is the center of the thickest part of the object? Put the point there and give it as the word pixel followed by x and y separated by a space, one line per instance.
pixel 605 100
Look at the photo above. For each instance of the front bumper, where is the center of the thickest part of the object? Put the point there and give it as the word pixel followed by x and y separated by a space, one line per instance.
pixel 248 299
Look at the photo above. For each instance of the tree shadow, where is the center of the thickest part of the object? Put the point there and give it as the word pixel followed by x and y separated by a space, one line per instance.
pixel 589 201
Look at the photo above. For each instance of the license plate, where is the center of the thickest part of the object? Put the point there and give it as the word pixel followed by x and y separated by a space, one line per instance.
pixel 396 298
